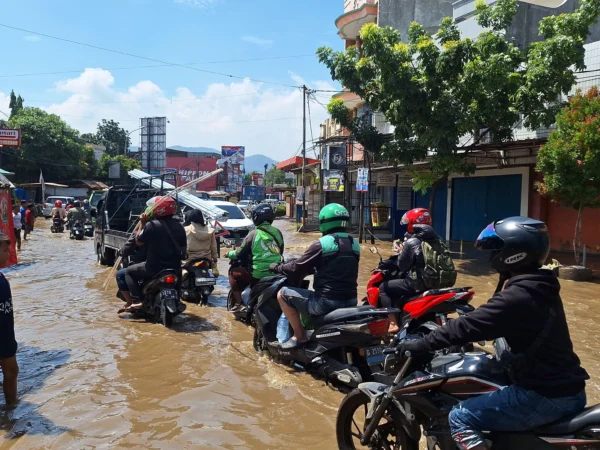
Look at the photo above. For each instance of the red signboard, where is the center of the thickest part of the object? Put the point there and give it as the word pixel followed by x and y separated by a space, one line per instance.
pixel 7 225
pixel 10 138
pixel 187 169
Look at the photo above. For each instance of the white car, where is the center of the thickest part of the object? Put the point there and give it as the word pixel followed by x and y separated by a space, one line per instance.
pixel 237 224
pixel 49 203
pixel 243 204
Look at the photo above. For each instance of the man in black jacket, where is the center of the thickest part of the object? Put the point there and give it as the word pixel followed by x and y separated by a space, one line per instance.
pixel 549 382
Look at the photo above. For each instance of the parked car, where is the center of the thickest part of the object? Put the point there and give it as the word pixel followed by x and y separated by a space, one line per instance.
pixel 237 224
pixel 49 203
pixel 244 204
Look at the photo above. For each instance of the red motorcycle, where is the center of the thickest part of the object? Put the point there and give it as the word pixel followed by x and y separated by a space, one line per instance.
pixel 430 306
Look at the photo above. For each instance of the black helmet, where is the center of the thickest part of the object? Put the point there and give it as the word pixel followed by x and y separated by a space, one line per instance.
pixel 76 204
pixel 518 244
pixel 262 213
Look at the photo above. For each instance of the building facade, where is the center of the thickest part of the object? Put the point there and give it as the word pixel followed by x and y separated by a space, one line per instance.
pixel 187 166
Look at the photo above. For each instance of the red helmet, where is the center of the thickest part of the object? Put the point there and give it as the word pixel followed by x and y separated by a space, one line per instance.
pixel 417 216
pixel 58 204
pixel 166 206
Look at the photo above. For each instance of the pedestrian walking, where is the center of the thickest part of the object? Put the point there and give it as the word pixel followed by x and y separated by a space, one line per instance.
pixel 18 225
pixel 8 343
pixel 29 219
pixel 31 206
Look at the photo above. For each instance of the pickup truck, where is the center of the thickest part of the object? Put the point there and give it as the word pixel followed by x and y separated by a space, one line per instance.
pixel 116 216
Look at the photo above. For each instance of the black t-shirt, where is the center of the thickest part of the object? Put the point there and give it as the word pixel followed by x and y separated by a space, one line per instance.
pixel 162 253
pixel 8 343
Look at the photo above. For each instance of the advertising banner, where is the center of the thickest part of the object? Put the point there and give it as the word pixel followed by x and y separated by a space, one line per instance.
pixel 405 180
pixel 7 226
pixel 362 180
pixel 333 180
pixel 335 158
pixel 234 156
pixel 10 138
pixel 171 175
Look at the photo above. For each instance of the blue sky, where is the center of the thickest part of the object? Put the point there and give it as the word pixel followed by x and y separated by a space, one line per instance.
pixel 204 109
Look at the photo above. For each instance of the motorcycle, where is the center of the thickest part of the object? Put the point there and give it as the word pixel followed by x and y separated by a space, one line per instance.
pixel 88 229
pixel 160 298
pixel 433 305
pixel 77 231
pixel 344 346
pixel 200 281
pixel 397 407
pixel 57 226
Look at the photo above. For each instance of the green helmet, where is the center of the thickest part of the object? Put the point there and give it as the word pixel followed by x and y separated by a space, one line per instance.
pixel 333 216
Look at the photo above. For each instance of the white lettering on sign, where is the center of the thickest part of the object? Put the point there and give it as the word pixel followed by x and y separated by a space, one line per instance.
pixel 10 138
pixel 515 258
pixel 342 213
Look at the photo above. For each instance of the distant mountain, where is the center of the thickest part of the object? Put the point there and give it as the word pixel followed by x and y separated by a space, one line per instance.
pixel 194 149
pixel 257 163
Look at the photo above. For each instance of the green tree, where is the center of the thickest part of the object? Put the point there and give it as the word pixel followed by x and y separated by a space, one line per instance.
pixel 113 137
pixel 276 176
pixel 126 163
pixel 438 90
pixel 15 104
pixel 90 138
pixel 48 143
pixel 248 179
pixel 570 160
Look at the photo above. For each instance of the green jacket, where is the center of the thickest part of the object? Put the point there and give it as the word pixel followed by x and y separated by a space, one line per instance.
pixel 262 247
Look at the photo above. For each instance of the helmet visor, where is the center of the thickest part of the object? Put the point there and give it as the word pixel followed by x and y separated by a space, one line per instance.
pixel 404 220
pixel 488 239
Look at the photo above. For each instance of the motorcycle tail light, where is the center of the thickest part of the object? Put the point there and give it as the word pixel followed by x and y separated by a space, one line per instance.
pixel 170 279
pixel 379 328
pixel 464 295
pixel 373 296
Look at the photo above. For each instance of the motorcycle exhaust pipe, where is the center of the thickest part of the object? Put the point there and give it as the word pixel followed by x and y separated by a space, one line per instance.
pixel 332 369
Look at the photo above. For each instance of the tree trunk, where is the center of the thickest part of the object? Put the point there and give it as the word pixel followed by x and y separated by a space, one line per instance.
pixel 577 237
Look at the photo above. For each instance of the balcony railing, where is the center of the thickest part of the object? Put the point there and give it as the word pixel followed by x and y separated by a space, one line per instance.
pixel 352 5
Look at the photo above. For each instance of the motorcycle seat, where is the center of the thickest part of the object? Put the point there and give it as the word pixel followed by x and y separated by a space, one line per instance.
pixel 343 313
pixel 435 292
pixel 588 417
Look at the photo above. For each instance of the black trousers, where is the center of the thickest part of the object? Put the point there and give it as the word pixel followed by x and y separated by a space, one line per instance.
pixel 135 274
pixel 392 293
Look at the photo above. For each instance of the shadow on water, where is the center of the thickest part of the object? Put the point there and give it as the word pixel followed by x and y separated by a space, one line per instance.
pixel 35 367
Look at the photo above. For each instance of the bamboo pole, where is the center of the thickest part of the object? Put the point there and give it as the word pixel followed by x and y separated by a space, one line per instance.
pixel 171 194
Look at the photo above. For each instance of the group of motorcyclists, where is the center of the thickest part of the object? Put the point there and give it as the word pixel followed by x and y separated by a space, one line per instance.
pixel 75 210
pixel 549 384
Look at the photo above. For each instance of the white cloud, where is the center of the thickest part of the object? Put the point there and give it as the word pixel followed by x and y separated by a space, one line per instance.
pixel 257 41
pixel 267 120
pixel 198 3
pixel 33 38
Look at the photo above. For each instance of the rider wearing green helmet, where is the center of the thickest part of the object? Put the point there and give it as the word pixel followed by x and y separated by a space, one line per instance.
pixel 334 260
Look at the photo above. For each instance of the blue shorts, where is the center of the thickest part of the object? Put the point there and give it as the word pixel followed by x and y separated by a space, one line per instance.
pixel 121 283
pixel 307 302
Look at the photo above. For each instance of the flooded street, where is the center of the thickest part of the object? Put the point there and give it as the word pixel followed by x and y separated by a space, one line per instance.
pixel 90 379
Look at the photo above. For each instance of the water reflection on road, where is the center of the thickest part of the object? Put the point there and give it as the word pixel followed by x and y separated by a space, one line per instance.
pixel 90 379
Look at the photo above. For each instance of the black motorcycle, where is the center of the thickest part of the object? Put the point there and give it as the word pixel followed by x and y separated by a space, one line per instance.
pixel 200 281
pixel 77 231
pixel 344 346
pixel 88 229
pixel 161 298
pixel 391 413
pixel 58 225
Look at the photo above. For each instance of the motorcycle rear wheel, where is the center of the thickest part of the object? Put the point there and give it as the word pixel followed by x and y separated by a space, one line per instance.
pixel 351 422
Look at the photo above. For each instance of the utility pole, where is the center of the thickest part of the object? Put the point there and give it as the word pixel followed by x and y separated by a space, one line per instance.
pixel 304 215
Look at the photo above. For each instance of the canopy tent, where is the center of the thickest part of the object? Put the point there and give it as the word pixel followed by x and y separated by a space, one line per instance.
pixel 208 209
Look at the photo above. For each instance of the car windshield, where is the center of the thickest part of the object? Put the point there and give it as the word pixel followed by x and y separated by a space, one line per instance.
pixel 53 199
pixel 244 202
pixel 96 196
pixel 233 211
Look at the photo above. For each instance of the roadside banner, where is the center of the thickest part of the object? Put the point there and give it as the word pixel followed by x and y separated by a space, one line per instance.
pixel 7 225
pixel 362 180
pixel 10 138
pixel 43 186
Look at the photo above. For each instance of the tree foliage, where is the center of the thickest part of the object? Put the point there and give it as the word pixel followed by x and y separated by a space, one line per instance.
pixel 15 104
pixel 126 163
pixel 276 176
pixel 438 90
pixel 50 144
pixel 110 134
pixel 570 160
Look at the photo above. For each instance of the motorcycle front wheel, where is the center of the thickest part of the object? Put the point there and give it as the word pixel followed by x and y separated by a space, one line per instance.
pixel 351 422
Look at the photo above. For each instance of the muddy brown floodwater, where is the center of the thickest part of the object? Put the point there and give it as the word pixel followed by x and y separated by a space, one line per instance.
pixel 90 379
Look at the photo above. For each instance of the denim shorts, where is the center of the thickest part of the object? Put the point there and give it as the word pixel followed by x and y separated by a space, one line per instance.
pixel 121 283
pixel 511 409
pixel 308 302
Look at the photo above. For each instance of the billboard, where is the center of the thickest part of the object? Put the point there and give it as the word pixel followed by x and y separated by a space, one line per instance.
pixel 10 138
pixel 333 180
pixel 234 157
pixel 188 167
pixel 153 144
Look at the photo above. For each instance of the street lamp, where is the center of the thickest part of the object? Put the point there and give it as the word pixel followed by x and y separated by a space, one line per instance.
pixel 125 148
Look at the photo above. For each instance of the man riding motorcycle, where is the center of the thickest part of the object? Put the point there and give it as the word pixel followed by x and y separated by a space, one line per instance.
pixel 334 259
pixel 58 210
pixel 262 247
pixel 76 213
pixel 411 262
pixel 549 382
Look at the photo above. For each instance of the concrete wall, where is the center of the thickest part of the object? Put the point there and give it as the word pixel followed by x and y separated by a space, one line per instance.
pixel 399 14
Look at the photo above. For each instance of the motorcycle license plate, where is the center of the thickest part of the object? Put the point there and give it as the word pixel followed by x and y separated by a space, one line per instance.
pixel 229 242
pixel 376 351
pixel 203 281
pixel 168 294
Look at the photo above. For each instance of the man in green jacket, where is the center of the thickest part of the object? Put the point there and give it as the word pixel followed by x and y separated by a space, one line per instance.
pixel 262 247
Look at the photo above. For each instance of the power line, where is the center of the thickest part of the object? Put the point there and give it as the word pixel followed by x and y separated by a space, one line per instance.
pixel 155 66
pixel 37 161
pixel 119 52
pixel 273 119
